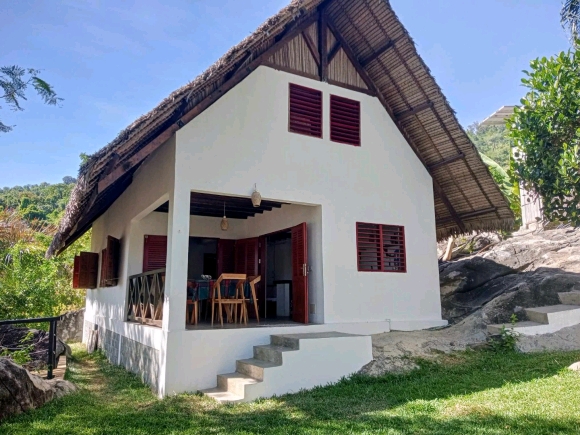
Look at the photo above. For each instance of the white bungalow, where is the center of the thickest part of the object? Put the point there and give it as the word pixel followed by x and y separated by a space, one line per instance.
pixel 330 114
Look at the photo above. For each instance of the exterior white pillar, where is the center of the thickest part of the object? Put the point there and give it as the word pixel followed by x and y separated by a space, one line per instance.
pixel 177 251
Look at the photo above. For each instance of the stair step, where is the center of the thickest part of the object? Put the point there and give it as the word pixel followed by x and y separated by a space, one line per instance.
pixel 222 395
pixel 518 327
pixel 235 383
pixel 271 353
pixel 570 298
pixel 293 340
pixel 557 315
pixel 253 367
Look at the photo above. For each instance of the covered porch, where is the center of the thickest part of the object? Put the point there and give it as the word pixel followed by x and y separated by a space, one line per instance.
pixel 257 256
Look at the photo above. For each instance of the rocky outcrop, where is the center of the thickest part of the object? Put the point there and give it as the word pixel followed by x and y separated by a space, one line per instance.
pixel 21 390
pixel 14 338
pixel 70 327
pixel 562 340
pixel 523 271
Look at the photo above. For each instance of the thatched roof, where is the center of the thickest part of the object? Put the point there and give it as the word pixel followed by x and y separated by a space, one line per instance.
pixel 466 197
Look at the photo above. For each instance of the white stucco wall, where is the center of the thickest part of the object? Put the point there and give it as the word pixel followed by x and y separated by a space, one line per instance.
pixel 243 139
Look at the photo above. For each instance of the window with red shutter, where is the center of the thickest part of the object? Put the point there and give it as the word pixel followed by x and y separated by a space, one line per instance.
pixel 305 114
pixel 104 273
pixel 344 120
pixel 85 272
pixel 380 248
pixel 154 253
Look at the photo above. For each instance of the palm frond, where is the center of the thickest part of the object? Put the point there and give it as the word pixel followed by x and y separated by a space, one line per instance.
pixel 570 17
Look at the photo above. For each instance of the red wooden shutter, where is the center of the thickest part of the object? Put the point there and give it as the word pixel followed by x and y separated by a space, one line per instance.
pixel 368 241
pixel 247 256
pixel 104 266
pixel 380 248
pixel 88 270
pixel 113 260
pixel 394 255
pixel 154 253
pixel 300 274
pixel 305 114
pixel 344 120
pixel 226 254
pixel 76 271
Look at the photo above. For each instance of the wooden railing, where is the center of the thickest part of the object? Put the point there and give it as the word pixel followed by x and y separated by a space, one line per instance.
pixel 145 299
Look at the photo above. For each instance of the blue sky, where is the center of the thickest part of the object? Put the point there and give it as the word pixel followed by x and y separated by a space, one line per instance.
pixel 113 60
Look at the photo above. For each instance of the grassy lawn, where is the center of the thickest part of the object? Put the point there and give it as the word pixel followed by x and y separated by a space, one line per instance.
pixel 469 393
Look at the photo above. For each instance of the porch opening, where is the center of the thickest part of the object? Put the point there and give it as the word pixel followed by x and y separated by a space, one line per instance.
pixel 268 245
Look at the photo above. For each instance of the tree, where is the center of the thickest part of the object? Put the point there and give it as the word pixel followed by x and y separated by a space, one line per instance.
pixel 546 133
pixel 493 141
pixel 570 17
pixel 15 81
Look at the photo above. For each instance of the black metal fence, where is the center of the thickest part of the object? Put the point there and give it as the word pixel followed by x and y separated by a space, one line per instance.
pixel 51 362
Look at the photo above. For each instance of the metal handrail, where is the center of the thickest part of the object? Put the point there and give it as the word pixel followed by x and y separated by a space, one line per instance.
pixel 51 363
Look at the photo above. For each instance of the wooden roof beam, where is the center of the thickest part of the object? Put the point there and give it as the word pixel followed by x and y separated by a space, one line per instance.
pixel 414 110
pixel 153 145
pixel 389 44
pixel 311 47
pixel 469 215
pixel 446 161
pixel 371 85
pixel 333 51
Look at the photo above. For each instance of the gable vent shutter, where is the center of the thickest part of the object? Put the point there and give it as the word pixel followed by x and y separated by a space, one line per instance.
pixel 344 120
pixel 154 253
pixel 305 111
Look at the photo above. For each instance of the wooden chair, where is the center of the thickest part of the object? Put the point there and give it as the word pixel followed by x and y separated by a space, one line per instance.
pixel 253 280
pixel 192 319
pixel 229 303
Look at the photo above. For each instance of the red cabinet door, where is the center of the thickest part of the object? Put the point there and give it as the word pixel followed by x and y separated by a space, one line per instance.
pixel 300 274
pixel 247 256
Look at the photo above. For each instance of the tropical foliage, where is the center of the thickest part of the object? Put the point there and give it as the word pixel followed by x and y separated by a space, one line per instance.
pixel 44 202
pixel 15 81
pixel 493 141
pixel 570 17
pixel 30 284
pixel 546 133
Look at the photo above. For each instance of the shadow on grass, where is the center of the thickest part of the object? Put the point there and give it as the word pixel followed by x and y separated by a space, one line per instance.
pixel 112 401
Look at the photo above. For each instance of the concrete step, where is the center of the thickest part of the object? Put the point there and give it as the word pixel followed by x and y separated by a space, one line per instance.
pixel 555 315
pixel 293 362
pixel 222 396
pixel 271 353
pixel 235 383
pixel 253 367
pixel 570 298
pixel 521 327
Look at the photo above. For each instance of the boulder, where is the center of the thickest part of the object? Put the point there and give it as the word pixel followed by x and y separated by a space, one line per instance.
pixel 567 339
pixel 575 367
pixel 15 338
pixel 70 327
pixel 21 390
pixel 501 297
pixel 465 275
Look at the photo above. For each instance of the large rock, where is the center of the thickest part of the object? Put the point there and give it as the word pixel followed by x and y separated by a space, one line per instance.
pixel 524 271
pixel 20 390
pixel 562 340
pixel 15 338
pixel 70 327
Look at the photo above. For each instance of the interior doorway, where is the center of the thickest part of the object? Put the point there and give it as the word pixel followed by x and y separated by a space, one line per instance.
pixel 279 275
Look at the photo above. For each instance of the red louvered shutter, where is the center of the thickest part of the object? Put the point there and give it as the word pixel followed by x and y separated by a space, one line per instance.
pixel 305 114
pixel 113 260
pixel 226 254
pixel 394 255
pixel 380 248
pixel 247 256
pixel 88 270
pixel 104 267
pixel 344 120
pixel 300 274
pixel 154 253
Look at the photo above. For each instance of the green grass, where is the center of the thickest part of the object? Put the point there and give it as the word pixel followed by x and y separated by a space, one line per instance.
pixel 468 393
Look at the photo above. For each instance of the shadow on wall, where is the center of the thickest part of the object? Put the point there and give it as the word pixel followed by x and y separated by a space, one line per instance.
pixel 478 283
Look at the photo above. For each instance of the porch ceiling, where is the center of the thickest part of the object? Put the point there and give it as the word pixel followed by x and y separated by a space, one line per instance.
pixel 203 204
